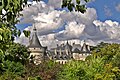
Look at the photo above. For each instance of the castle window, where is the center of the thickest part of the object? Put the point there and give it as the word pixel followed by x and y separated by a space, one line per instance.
pixel 61 53
pixel 57 53
pixel 65 62
pixel 62 62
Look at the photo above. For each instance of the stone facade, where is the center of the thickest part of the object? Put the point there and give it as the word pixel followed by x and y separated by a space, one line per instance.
pixel 62 53
pixel 38 52
pixel 67 52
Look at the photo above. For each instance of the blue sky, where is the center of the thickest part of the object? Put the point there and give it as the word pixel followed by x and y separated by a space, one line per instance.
pixel 110 5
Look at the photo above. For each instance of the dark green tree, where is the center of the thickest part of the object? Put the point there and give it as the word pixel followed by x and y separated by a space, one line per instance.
pixel 74 6
pixel 17 53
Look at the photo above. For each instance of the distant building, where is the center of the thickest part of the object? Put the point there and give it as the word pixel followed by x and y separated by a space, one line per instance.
pixel 62 53
pixel 81 53
pixel 66 52
pixel 37 50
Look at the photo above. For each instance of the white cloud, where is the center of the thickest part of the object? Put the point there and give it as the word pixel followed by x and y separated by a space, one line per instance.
pixel 118 7
pixel 55 3
pixel 51 22
pixel 32 11
pixel 72 31
pixel 78 26
pixel 22 40
pixel 109 28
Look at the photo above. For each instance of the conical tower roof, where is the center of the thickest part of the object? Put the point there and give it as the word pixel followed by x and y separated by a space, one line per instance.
pixel 85 48
pixel 34 42
pixel 68 46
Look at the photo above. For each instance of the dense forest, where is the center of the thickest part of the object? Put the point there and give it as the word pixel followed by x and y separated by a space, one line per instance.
pixel 15 64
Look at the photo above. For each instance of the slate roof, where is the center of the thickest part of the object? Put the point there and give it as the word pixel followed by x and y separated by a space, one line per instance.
pixel 76 50
pixel 64 47
pixel 61 51
pixel 61 57
pixel 68 46
pixel 85 48
pixel 76 46
pixel 34 42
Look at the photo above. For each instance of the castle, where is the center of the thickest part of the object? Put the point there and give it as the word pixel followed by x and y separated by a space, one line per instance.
pixel 62 53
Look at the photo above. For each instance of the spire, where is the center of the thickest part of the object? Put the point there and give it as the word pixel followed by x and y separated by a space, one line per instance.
pixel 67 42
pixel 84 47
pixel 34 42
pixel 68 46
pixel 34 28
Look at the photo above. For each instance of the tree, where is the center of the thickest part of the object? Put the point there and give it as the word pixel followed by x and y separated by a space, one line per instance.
pixel 9 13
pixel 12 62
pixel 47 70
pixel 109 51
pixel 17 53
pixel 116 60
pixel 73 70
pixel 12 70
pixel 74 6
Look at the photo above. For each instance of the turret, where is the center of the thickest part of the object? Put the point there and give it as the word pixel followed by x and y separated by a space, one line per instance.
pixel 36 48
pixel 85 48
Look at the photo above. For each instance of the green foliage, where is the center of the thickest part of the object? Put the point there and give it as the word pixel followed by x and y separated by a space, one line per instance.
pixel 73 70
pixel 116 60
pixel 9 12
pixel 34 78
pixel 16 68
pixel 26 33
pixel 5 38
pixel 8 18
pixel 110 52
pixel 101 65
pixel 18 53
pixel 77 7
pixel 12 62
pixel 11 70
pixel 97 48
pixel 47 70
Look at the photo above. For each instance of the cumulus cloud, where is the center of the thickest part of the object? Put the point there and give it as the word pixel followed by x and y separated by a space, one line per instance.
pixel 72 31
pixel 118 7
pixel 75 26
pixel 50 23
pixel 55 3
pixel 109 28
pixel 30 12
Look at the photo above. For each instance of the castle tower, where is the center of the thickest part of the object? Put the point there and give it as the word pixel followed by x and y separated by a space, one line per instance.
pixel 85 48
pixel 37 50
